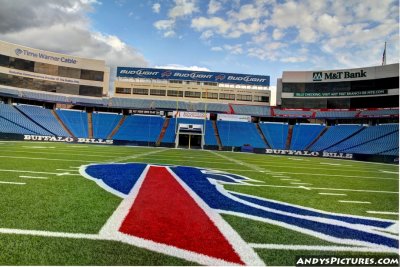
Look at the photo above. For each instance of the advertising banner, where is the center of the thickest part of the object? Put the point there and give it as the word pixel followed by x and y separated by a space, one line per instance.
pixel 355 93
pixel 45 138
pixel 307 153
pixel 190 115
pixel 186 75
pixel 233 117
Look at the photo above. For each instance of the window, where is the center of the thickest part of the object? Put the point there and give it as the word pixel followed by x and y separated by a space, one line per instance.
pixel 210 95
pixel 157 92
pixel 210 84
pixel 175 93
pixel 227 96
pixel 120 90
pixel 261 98
pixel 173 81
pixel 139 91
pixel 192 94
pixel 92 75
pixel 243 97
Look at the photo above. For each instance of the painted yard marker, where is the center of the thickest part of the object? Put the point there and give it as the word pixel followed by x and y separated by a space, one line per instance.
pixel 332 194
pixel 289 179
pixel 16 183
pixel 302 183
pixel 33 177
pixel 353 201
pixel 382 212
pixel 389 172
pixel 53 173
pixel 68 170
pixel 333 164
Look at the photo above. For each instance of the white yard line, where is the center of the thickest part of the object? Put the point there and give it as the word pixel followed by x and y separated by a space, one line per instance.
pixel 10 157
pixel 354 201
pixel 389 172
pixel 50 234
pixel 236 161
pixel 67 170
pixel 33 177
pixel 321 248
pixel 16 183
pixel 322 188
pixel 338 175
pixel 288 179
pixel 119 159
pixel 332 194
pixel 302 183
pixel 382 212
pixel 53 173
pixel 333 164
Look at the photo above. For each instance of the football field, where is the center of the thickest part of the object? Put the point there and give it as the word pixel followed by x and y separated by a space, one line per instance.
pixel 283 207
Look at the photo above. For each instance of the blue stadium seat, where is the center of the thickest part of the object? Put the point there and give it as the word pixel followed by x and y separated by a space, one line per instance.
pixel 76 121
pixel 9 113
pixel 335 114
pixel 368 134
pixel 275 133
pixel 304 134
pixel 334 135
pixel 235 133
pixel 44 118
pixel 140 128
pixel 104 124
pixel 376 146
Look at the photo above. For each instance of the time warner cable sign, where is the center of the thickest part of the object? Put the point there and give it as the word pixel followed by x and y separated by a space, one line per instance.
pixel 185 75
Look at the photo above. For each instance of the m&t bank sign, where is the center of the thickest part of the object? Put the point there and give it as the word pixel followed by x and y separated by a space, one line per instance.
pixel 338 75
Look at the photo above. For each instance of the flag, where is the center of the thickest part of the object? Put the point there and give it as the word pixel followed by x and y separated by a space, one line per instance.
pixel 384 56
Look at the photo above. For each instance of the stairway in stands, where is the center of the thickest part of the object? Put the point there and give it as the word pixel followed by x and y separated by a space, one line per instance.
pixel 214 124
pixel 111 135
pixel 62 123
pixel 162 133
pixel 90 124
pixel 316 138
pixel 289 137
pixel 262 135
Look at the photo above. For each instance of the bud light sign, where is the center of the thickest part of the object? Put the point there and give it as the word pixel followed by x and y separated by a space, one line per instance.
pixel 185 75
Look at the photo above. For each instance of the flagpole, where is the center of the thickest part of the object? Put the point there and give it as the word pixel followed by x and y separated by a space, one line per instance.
pixel 384 56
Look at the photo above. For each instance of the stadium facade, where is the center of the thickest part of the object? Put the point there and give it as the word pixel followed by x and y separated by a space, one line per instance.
pixel 369 87
pixel 28 68
pixel 193 86
pixel 320 113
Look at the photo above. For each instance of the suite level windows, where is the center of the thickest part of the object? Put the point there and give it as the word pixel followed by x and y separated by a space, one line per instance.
pixel 210 95
pixel 243 97
pixel 175 93
pixel 157 92
pixel 50 69
pixel 210 84
pixel 140 91
pixel 227 96
pixel 192 94
pixel 174 81
pixel 126 91
pixel 257 98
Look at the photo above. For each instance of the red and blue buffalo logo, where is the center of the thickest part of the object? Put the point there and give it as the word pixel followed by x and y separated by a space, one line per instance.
pixel 220 77
pixel 166 73
pixel 177 210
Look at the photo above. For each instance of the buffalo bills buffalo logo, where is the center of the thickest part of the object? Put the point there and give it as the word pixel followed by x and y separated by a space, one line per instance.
pixel 166 73
pixel 177 210
pixel 220 77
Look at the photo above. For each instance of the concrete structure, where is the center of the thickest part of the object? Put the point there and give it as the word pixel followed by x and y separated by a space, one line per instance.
pixel 28 68
pixel 369 87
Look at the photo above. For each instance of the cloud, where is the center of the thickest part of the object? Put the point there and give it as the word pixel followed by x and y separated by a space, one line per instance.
pixel 182 67
pixel 182 8
pixel 63 27
pixel 156 8
pixel 214 6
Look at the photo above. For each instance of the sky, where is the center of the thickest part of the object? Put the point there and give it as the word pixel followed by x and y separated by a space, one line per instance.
pixel 264 37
